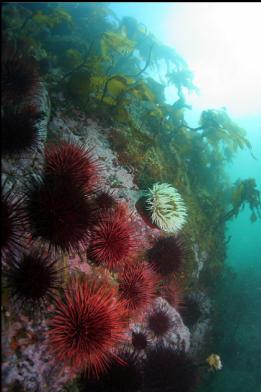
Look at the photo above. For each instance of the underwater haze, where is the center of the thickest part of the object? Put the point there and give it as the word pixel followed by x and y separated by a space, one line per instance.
pixel 204 33
pixel 130 196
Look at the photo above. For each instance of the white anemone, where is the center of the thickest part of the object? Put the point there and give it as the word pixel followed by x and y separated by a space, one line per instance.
pixel 166 207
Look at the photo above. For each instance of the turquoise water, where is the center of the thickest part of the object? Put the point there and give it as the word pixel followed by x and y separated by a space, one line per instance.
pixel 244 251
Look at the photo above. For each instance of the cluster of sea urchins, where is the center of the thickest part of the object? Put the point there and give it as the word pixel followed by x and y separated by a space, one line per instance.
pixel 66 210
pixel 162 370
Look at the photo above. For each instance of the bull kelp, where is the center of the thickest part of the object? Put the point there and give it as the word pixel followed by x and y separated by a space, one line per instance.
pixel 114 208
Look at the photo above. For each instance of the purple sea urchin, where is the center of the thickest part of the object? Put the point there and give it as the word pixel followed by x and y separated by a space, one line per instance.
pixel 19 130
pixel 123 375
pixel 33 280
pixel 167 255
pixel 168 370
pixel 160 320
pixel 59 213
pixel 20 78
pixel 13 222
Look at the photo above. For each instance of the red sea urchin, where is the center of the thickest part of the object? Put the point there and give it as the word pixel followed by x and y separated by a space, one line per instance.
pixel 167 255
pixel 58 213
pixel 112 238
pixel 13 222
pixel 20 78
pixel 137 285
pixel 19 130
pixel 32 279
pixel 73 163
pixel 88 323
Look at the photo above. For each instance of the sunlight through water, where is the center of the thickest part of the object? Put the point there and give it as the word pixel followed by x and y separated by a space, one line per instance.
pixel 220 42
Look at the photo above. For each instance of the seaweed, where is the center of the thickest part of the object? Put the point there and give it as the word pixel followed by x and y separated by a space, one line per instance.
pixel 245 192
